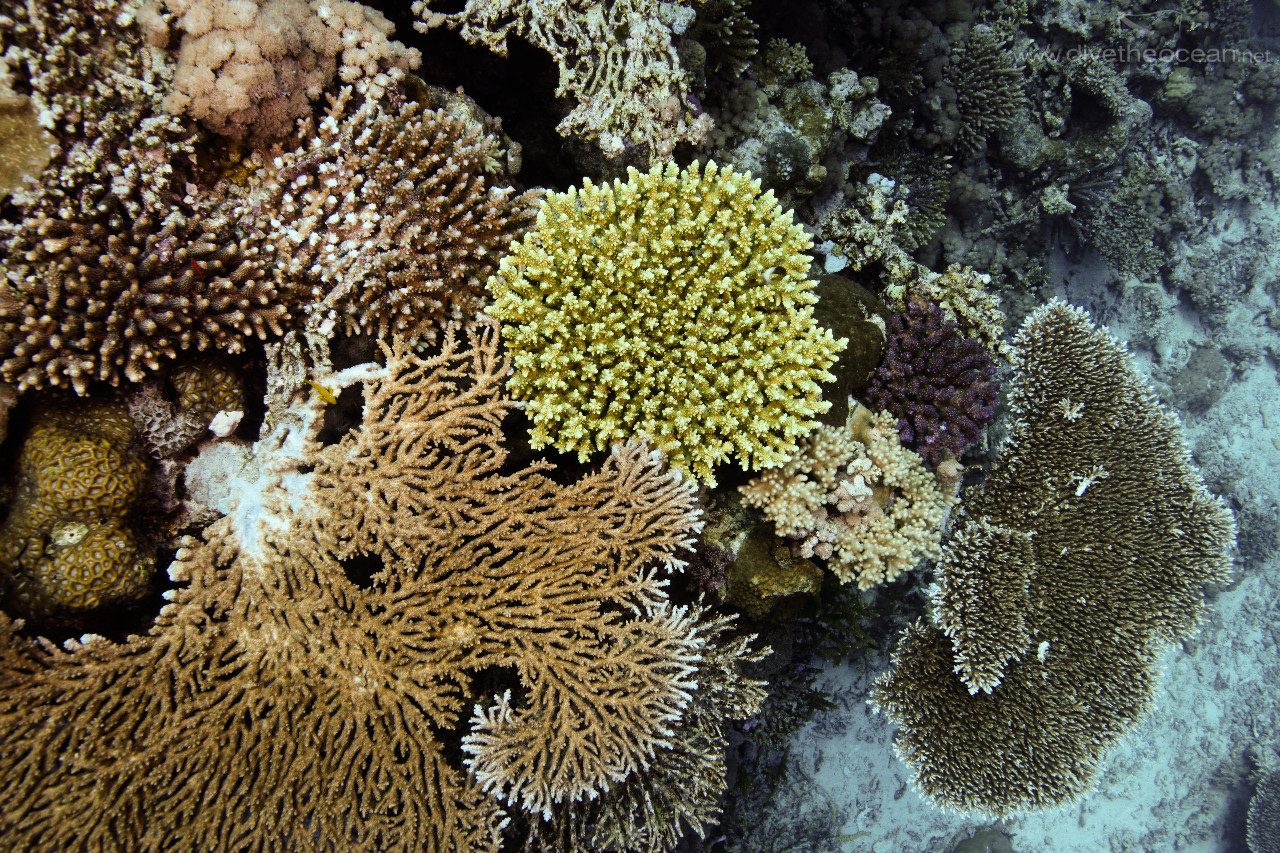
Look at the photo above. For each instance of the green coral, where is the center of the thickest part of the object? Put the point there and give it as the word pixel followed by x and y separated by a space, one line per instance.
pixel 674 305
pixel 66 546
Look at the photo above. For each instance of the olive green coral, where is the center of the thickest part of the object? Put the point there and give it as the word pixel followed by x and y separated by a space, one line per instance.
pixel 65 546
pixel 673 305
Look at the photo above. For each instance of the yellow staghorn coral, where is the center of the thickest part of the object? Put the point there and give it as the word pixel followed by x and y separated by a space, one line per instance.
pixel 675 306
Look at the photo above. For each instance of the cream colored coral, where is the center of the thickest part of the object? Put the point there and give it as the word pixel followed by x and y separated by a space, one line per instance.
pixel 854 496
pixel 674 305
pixel 250 70
pixel 618 61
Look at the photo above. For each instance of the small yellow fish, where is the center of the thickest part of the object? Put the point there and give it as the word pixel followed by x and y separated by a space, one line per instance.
pixel 326 394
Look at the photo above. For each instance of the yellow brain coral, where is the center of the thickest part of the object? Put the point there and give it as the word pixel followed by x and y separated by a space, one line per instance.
pixel 674 305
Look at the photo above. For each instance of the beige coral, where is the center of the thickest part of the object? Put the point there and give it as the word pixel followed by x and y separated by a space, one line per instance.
pixel 618 61
pixel 856 497
pixel 250 69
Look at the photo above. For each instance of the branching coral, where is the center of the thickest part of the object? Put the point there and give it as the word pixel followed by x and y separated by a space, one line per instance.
pixel 618 62
pixel 389 219
pixel 937 382
pixel 1079 562
pixel 855 497
pixel 673 306
pixel 336 629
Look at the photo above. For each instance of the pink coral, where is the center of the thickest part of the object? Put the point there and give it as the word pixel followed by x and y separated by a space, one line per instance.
pixel 251 70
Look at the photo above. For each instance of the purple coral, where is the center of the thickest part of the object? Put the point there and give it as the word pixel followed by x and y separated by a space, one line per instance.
pixel 936 381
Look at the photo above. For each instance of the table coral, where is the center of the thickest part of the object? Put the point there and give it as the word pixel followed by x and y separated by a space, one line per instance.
pixel 674 305
pixel 1083 557
pixel 361 608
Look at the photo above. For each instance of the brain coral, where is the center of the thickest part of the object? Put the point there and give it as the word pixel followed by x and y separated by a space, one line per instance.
pixel 65 546
pixel 673 305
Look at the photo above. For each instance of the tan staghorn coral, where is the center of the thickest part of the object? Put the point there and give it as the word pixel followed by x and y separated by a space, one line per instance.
pixel 103 295
pixel 618 62
pixel 251 68
pixel 675 306
pixel 361 607
pixel 1079 562
pixel 389 219
pixel 854 496
pixel 67 545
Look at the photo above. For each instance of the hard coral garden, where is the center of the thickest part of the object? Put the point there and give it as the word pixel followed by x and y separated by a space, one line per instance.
pixel 381 630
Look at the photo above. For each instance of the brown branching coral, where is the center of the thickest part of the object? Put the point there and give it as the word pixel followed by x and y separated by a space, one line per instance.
pixel 335 630
pixel 389 219
pixel 108 294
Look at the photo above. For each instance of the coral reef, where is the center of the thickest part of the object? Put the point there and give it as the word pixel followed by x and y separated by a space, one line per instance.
pixel 1264 815
pixel 987 83
pixel 388 218
pixel 935 381
pixel 250 69
pixel 618 62
pixel 856 498
pixel 674 306
pixel 1072 570
pixel 354 605
pixel 67 545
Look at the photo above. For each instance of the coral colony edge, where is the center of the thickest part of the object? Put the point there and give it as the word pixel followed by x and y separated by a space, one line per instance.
pixel 623 425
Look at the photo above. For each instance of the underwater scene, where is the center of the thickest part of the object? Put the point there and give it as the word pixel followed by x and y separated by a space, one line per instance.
pixel 708 426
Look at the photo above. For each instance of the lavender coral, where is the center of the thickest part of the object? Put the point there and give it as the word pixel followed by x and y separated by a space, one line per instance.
pixel 937 382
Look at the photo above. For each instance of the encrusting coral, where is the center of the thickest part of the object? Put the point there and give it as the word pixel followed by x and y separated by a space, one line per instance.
pixel 855 497
pixel 389 218
pixel 1080 560
pixel 618 62
pixel 67 545
pixel 674 306
pixel 354 613
pixel 937 382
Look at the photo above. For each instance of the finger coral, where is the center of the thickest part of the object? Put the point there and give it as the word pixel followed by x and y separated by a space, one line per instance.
pixel 250 69
pixel 1079 562
pixel 390 220
pixel 674 306
pixel 855 497
pixel 385 644
pixel 937 382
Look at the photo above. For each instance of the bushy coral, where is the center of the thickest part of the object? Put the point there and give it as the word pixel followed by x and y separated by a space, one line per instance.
pixel 390 219
pixel 854 496
pixel 66 545
pixel 251 69
pixel 674 305
pixel 937 382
